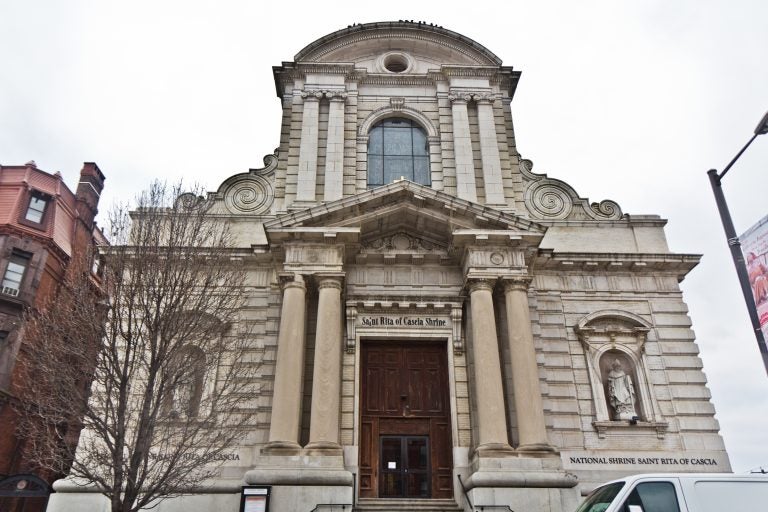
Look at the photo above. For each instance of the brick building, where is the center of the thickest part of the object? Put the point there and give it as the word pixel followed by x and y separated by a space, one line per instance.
pixel 44 227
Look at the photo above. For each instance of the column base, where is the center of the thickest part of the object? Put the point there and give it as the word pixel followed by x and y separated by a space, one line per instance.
pixel 323 448
pixel 537 450
pixel 494 450
pixel 281 448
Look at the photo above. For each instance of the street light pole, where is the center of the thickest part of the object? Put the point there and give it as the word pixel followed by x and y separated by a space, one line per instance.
pixel 734 243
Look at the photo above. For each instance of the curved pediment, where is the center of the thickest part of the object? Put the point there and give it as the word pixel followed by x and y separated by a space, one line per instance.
pixel 428 46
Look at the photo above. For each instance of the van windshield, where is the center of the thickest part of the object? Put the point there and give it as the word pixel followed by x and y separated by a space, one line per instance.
pixel 599 499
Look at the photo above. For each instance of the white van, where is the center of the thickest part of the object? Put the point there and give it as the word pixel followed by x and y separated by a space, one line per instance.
pixel 680 492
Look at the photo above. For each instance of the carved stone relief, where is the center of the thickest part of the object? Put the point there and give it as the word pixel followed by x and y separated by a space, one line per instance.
pixel 402 243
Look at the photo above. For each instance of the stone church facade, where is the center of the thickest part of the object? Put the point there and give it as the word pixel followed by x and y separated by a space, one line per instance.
pixel 437 323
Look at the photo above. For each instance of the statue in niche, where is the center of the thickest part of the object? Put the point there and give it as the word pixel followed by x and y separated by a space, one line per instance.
pixel 621 392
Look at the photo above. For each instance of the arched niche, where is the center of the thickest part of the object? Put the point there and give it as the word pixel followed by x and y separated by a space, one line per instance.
pixel 614 347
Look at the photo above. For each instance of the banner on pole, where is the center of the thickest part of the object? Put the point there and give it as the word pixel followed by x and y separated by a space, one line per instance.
pixel 754 246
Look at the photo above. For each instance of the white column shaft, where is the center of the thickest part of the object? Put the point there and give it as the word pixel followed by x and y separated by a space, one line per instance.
pixel 489 394
pixel 489 152
pixel 525 375
pixel 307 179
pixel 462 150
pixel 334 152
pixel 289 367
pixel 326 380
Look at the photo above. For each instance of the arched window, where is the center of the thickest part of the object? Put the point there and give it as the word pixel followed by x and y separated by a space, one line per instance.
pixel 397 148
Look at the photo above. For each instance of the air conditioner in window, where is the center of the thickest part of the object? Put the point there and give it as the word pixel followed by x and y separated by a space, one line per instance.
pixel 10 291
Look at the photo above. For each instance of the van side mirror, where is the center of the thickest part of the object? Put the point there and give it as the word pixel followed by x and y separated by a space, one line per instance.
pixel 634 508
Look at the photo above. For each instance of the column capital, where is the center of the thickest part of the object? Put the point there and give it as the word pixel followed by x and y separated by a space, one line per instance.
pixel 460 99
pixel 290 280
pixel 330 281
pixel 516 283
pixel 478 284
pixel 483 98
pixel 336 96
pixel 311 95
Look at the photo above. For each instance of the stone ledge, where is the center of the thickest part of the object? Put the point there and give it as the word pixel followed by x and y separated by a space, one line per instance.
pixel 510 478
pixel 299 476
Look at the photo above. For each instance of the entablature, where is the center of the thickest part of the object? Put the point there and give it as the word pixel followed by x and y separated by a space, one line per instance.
pixel 679 264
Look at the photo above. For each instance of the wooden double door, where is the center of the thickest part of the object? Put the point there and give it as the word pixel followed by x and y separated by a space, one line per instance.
pixel 405 421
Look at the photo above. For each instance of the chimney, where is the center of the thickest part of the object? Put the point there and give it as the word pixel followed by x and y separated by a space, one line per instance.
pixel 89 191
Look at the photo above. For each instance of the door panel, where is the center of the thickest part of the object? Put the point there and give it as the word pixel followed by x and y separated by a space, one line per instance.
pixel 404 395
pixel 405 467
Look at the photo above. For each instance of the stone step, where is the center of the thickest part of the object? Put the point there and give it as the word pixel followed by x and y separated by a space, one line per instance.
pixel 406 505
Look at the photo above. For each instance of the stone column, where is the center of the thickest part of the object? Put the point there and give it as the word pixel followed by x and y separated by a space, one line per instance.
pixel 334 150
pixel 489 391
pixel 326 379
pixel 462 148
pixel 489 151
pixel 525 375
pixel 305 186
pixel 286 396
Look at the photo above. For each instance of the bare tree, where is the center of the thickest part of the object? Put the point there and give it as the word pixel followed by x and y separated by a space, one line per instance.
pixel 158 339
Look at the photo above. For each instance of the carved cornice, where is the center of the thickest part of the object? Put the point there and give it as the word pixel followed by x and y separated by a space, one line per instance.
pixel 325 68
pixel 679 264
pixel 449 70
pixel 399 80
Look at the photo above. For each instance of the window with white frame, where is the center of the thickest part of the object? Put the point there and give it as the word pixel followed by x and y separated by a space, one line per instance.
pixel 36 207
pixel 14 272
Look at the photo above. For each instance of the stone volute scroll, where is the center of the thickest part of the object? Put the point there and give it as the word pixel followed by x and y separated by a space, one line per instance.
pixel 250 193
pixel 614 346
pixel 551 199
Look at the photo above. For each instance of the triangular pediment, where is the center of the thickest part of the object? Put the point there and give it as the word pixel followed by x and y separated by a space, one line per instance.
pixel 406 208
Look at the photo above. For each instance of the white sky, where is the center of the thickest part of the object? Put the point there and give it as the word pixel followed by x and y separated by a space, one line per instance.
pixel 631 101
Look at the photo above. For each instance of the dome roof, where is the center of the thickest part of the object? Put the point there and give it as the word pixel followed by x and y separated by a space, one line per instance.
pixel 358 42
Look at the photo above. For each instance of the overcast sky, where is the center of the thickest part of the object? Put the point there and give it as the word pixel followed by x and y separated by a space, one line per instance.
pixel 630 101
